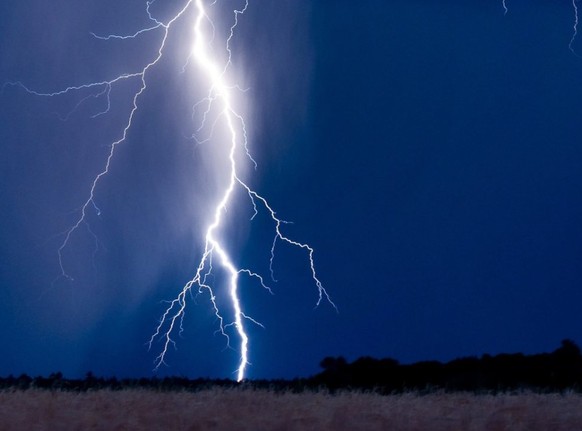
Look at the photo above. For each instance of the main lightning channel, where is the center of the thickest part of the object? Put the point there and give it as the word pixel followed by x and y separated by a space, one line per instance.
pixel 221 93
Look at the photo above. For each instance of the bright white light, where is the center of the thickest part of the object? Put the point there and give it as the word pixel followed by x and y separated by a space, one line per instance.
pixel 220 93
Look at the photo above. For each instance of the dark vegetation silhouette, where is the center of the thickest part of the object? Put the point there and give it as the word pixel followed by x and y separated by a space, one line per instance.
pixel 558 371
pixel 547 372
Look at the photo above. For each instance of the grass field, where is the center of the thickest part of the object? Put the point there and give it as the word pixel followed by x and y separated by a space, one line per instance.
pixel 233 409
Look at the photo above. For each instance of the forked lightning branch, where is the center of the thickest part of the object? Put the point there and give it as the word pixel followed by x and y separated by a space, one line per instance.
pixel 219 115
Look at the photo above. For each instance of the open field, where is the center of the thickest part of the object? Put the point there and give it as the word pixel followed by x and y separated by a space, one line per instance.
pixel 233 409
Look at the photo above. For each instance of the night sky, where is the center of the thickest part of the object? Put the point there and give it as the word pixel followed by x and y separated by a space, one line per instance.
pixel 429 151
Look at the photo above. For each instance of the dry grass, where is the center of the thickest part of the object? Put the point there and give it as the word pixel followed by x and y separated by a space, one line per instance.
pixel 262 410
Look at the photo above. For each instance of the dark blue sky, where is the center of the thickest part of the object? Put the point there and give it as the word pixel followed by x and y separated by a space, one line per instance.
pixel 430 152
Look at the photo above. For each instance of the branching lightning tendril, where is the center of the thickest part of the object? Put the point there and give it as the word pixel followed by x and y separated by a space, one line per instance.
pixel 214 251
pixel 575 28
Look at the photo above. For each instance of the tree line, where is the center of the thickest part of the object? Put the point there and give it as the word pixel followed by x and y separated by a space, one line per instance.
pixel 557 371
pixel 560 370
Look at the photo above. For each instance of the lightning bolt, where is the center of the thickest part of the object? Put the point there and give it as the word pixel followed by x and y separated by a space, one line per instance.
pixel 220 95
pixel 575 28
